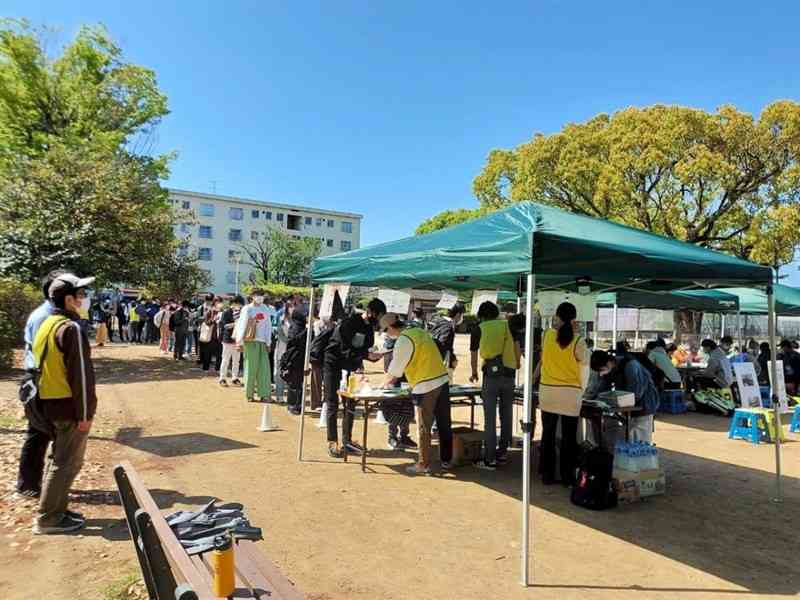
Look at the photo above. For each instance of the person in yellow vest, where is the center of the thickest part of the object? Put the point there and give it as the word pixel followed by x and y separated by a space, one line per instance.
pixel 560 393
pixel 494 342
pixel 68 400
pixel 416 356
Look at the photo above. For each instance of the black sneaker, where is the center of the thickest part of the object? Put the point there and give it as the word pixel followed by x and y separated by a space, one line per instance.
pixel 27 494
pixel 407 443
pixel 294 410
pixel 501 459
pixel 236 382
pixel 353 448
pixel 486 466
pixel 66 525
pixel 74 515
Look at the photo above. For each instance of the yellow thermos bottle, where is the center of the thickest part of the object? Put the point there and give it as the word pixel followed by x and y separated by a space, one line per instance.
pixel 222 562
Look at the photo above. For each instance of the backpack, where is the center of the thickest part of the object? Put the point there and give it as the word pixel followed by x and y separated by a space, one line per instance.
pixel 593 487
pixel 293 357
pixel 318 346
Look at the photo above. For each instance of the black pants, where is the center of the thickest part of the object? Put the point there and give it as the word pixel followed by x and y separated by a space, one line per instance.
pixel 568 449
pixel 210 351
pixel 109 323
pixel 31 460
pixel 294 394
pixel 330 381
pixel 121 325
pixel 179 347
pixel 135 331
pixel 444 424
pixel 196 335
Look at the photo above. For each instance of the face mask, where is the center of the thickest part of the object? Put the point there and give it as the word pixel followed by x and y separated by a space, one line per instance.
pixel 85 303
pixel 258 299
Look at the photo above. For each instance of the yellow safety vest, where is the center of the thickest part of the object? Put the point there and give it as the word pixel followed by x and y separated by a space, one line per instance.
pixel 559 366
pixel 496 339
pixel 426 361
pixel 53 383
pixel 133 316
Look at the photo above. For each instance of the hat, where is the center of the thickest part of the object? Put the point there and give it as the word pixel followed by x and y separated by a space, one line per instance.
pixel 389 320
pixel 68 282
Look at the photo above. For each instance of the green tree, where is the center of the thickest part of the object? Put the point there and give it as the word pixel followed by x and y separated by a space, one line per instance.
pixel 178 275
pixel 278 257
pixel 448 218
pixel 78 188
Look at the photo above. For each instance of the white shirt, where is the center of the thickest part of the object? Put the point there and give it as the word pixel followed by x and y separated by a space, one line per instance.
pixel 263 314
pixel 402 353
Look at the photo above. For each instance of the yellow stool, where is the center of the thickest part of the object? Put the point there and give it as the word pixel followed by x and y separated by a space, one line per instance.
pixel 769 415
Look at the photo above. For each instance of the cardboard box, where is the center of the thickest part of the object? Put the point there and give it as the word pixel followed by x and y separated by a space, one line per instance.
pixel 646 483
pixel 467 444
pixel 627 491
pixel 653 484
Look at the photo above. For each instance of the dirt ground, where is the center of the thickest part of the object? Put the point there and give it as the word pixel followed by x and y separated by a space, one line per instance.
pixel 340 533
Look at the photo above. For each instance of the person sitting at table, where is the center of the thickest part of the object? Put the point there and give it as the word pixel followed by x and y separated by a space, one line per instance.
pixel 718 373
pixel 560 393
pixel 417 357
pixel 657 354
pixel 791 367
pixel 764 357
pixel 493 341
pixel 625 373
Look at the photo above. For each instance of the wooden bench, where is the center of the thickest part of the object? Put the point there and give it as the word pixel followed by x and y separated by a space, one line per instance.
pixel 170 573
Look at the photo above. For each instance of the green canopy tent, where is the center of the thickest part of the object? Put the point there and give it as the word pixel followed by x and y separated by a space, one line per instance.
pixel 543 246
pixel 755 301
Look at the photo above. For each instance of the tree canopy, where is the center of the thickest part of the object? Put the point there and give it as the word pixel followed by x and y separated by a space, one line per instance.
pixel 79 188
pixel 724 180
pixel 277 257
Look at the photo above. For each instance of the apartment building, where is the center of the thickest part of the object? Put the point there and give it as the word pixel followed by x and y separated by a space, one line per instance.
pixel 223 223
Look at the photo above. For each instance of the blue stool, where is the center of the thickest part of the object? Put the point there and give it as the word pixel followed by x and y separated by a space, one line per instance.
pixel 672 402
pixel 745 425
pixel 766 399
pixel 795 426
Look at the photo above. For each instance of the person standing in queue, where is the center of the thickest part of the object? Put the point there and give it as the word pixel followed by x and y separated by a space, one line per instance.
pixel 349 346
pixel 253 334
pixel 561 393
pixel 417 357
pixel 493 341
pixel 68 400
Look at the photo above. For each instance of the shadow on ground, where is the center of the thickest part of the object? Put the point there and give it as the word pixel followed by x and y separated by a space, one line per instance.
pixel 179 444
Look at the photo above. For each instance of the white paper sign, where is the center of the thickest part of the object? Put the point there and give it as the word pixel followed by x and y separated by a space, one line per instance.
pixel 481 296
pixel 396 301
pixel 448 300
pixel 584 305
pixel 329 290
pixel 783 400
pixel 748 384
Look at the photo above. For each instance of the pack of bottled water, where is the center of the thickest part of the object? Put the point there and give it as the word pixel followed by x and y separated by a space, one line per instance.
pixel 635 457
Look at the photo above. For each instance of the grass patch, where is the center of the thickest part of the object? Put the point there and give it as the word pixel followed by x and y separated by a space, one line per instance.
pixel 118 590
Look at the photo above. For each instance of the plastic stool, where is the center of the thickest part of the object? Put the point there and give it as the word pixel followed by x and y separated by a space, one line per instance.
pixel 749 424
pixel 795 426
pixel 672 402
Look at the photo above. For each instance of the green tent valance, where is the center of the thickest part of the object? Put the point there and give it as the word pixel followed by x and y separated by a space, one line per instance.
pixel 754 301
pixel 714 301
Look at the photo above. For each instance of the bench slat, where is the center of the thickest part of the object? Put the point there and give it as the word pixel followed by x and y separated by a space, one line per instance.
pixel 284 588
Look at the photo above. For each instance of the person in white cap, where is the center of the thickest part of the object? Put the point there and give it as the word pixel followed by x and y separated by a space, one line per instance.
pixel 67 393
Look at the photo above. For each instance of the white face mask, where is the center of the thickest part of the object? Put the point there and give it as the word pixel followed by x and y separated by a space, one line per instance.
pixel 85 304
pixel 258 299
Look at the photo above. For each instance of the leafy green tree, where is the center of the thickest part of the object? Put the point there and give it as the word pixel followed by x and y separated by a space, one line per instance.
pixel 278 257
pixel 78 188
pixel 448 218
pixel 178 275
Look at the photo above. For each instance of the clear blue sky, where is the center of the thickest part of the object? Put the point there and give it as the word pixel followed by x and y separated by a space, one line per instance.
pixel 390 108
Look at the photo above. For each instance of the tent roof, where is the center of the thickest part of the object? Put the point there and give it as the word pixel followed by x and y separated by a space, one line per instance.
pixel 493 251
pixel 715 301
pixel 754 302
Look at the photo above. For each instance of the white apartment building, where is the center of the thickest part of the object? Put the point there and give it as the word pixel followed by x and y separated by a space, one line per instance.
pixel 223 223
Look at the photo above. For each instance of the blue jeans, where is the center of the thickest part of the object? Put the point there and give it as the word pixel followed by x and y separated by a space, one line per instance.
pixel 498 392
pixel 189 339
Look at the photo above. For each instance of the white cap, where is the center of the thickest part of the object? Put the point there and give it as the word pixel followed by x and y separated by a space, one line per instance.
pixel 70 282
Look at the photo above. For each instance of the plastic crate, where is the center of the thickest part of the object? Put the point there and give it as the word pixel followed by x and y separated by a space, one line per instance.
pixel 672 402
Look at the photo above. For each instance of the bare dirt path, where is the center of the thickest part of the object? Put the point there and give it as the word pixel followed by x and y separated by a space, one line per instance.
pixel 343 534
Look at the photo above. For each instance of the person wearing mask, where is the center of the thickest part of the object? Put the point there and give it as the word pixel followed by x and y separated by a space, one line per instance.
pixel 67 393
pixel 625 373
pixel 323 329
pixel 100 328
pixel 179 322
pixel 191 329
pixel 659 357
pixel 560 393
pixel 34 445
pixel 443 331
pixel 791 367
pixel 718 372
pixel 230 354
pixel 417 358
pixel 122 321
pixel 726 343
pixel 347 349
pixel 206 306
pixel 210 346
pixel 161 321
pixel 292 365
pixel 253 334
pixel 281 337
pixel 418 319
pixel 493 342
pixel 134 322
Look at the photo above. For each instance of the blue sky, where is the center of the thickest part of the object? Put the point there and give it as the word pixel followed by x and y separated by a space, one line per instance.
pixel 390 108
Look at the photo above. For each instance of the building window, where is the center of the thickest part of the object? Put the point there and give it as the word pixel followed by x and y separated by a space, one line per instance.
pixel 205 232
pixel 186 205
pixel 233 254
pixel 279 217
pixel 204 254
pixel 206 210
pixel 269 215
pixel 330 243
pixel 347 227
pixel 346 245
pixel 235 214
pixel 319 222
pixel 235 235
pixel 254 213
pixel 330 223
pixel 253 235
pixel 183 250
pixel 294 222
pixel 230 278
pixel 308 221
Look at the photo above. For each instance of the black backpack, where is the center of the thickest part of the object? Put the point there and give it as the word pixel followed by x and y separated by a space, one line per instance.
pixel 593 487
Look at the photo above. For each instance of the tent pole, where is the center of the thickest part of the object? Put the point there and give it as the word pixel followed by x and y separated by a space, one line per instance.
pixel 774 388
pixel 614 328
pixel 722 327
pixel 741 330
pixel 306 361
pixel 638 324
pixel 527 431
